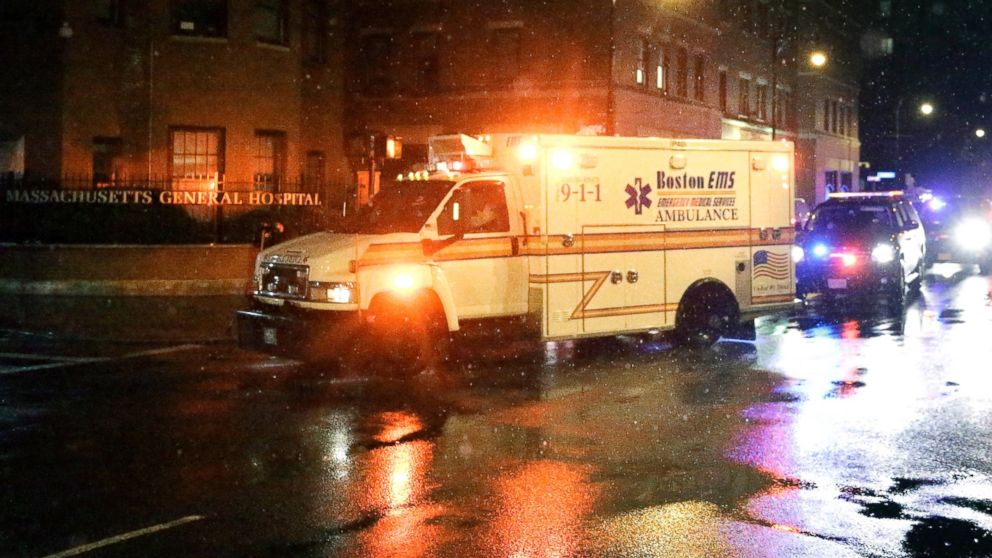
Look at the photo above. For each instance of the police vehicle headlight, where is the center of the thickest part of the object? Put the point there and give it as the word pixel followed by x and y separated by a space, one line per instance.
pixel 973 234
pixel 883 253
pixel 340 293
pixel 798 254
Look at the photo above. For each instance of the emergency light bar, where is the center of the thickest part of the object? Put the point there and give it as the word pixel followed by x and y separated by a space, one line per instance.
pixel 843 195
pixel 459 147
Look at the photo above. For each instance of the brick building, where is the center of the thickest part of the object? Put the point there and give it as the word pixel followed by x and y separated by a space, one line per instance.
pixel 264 92
pixel 175 90
pixel 680 69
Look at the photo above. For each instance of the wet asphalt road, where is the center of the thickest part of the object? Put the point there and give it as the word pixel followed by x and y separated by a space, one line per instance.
pixel 842 432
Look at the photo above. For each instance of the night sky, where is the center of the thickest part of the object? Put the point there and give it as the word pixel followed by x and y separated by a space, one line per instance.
pixel 942 54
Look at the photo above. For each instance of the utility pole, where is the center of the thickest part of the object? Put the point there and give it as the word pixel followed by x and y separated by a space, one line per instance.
pixel 611 125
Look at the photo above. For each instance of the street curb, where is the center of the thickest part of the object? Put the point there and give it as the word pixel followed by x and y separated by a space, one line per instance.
pixel 126 287
pixel 52 336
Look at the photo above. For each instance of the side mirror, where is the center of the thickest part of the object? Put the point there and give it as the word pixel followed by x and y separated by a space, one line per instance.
pixel 911 226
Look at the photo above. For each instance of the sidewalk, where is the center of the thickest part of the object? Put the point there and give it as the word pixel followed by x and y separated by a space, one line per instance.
pixel 122 293
pixel 128 319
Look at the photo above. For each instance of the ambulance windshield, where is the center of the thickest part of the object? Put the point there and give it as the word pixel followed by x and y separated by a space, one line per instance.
pixel 398 207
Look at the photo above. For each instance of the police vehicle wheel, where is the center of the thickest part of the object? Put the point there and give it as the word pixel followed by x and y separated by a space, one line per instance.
pixel 918 280
pixel 704 316
pixel 897 290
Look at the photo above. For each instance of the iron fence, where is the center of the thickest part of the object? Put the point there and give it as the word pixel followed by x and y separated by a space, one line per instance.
pixel 88 209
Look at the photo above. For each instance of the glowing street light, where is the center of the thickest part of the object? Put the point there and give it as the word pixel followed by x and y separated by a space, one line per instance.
pixel 818 59
pixel 980 133
pixel 926 109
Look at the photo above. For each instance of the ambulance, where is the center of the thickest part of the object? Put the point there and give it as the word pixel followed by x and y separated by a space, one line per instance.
pixel 550 236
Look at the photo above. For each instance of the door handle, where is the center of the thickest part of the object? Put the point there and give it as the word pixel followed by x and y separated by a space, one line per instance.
pixel 568 240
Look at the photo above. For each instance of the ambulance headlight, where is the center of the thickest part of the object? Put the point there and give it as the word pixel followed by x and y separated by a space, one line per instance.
pixel 339 293
pixel 883 253
pixel 973 234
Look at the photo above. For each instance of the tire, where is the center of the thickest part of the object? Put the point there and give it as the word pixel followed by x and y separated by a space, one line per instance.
pixel 918 281
pixel 704 316
pixel 399 339
pixel 897 290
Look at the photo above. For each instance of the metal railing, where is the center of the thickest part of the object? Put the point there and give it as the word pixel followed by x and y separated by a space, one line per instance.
pixel 84 208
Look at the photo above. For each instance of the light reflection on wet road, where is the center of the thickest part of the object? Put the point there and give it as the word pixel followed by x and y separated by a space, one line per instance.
pixel 848 432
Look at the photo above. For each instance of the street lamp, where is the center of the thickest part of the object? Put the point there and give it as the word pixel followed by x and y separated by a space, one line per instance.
pixel 980 133
pixel 926 108
pixel 818 59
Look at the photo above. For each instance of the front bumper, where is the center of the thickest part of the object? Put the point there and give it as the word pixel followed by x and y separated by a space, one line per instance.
pixel 285 330
pixel 833 280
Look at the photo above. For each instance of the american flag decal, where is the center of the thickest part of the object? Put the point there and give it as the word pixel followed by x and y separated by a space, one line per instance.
pixel 771 265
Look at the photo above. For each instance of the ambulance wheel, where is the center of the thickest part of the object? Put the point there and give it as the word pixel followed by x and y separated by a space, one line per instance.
pixel 705 313
pixel 400 338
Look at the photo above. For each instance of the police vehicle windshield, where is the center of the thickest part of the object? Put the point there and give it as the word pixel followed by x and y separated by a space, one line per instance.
pixel 850 217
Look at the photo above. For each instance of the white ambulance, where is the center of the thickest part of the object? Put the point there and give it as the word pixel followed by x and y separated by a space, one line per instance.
pixel 557 236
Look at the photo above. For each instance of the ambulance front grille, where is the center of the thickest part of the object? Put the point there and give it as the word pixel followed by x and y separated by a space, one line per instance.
pixel 284 280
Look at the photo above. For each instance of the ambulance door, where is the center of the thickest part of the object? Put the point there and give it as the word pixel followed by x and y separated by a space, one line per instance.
pixel 772 205
pixel 644 273
pixel 484 268
pixel 625 270
pixel 562 277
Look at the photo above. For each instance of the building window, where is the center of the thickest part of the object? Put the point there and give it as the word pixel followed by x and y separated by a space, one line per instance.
pixel 197 152
pixel 779 100
pixel 107 160
pixel 885 8
pixel 723 90
pixel 661 71
pixel 313 171
pixel 888 45
pixel 826 115
pixel 270 160
pixel 199 18
pixel 109 12
pixel 744 97
pixel 682 73
pixel 272 21
pixel 700 78
pixel 505 42
pixel 830 181
pixel 846 182
pixel 314 32
pixel 375 54
pixel 643 55
pixel 762 101
pixel 425 63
